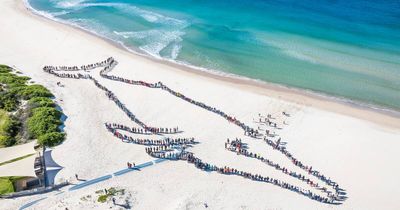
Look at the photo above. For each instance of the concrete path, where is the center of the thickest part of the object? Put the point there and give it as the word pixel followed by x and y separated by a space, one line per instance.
pixel 97 180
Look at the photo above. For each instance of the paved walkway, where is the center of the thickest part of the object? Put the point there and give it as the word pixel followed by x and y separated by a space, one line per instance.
pixel 97 180
pixel 24 167
pixel 9 153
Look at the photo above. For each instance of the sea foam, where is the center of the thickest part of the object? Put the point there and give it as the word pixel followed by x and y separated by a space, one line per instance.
pixel 154 41
pixel 67 4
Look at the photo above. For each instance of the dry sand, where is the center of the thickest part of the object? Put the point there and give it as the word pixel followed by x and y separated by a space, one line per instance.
pixel 355 147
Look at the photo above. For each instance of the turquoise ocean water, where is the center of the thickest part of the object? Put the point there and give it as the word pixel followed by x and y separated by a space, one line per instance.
pixel 346 49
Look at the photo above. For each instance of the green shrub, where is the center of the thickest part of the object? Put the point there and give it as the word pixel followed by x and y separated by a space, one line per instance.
pixel 4 68
pixel 102 198
pixel 6 186
pixel 7 183
pixel 51 139
pixel 30 91
pixel 39 119
pixel 11 127
pixel 13 80
pixel 41 102
pixel 7 141
pixel 8 101
pixel 43 120
pixel 8 129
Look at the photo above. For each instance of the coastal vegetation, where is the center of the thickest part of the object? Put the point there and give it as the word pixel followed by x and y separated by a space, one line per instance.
pixel 8 129
pixel 108 193
pixel 7 184
pixel 27 111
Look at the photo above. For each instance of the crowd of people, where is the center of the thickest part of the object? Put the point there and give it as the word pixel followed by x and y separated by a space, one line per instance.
pixel 267 121
pixel 171 152
pixel 175 148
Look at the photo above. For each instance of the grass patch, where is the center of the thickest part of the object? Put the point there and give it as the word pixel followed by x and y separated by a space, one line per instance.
pixel 7 184
pixel 16 159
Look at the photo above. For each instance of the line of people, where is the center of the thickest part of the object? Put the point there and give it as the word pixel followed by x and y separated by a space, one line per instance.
pixel 308 169
pixel 158 152
pixel 161 142
pixel 106 62
pixel 143 131
pixel 110 62
pixel 109 65
pixel 239 148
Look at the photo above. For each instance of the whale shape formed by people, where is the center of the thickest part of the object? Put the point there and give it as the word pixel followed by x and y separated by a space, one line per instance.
pixel 177 148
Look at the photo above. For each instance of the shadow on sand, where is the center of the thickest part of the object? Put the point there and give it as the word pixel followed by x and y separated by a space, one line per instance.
pixel 52 168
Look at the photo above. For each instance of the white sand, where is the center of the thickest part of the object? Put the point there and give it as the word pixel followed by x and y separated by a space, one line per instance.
pixel 361 155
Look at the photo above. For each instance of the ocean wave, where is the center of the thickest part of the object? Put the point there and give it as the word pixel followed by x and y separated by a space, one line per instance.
pixel 131 10
pixel 67 4
pixel 125 35
pixel 93 26
pixel 152 16
pixel 126 8
pixel 45 14
pixel 63 12
pixel 156 40
pixel 176 49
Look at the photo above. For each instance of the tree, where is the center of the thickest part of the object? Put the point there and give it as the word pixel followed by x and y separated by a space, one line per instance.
pixel 51 139
pixel 43 120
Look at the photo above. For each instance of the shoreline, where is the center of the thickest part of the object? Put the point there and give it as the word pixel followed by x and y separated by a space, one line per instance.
pixel 308 98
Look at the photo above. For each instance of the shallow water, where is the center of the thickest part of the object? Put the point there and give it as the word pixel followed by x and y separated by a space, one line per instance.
pixel 342 48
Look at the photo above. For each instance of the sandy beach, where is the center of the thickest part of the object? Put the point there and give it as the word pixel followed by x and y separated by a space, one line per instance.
pixel 357 147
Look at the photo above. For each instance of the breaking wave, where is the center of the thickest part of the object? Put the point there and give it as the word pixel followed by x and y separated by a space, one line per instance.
pixel 156 41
